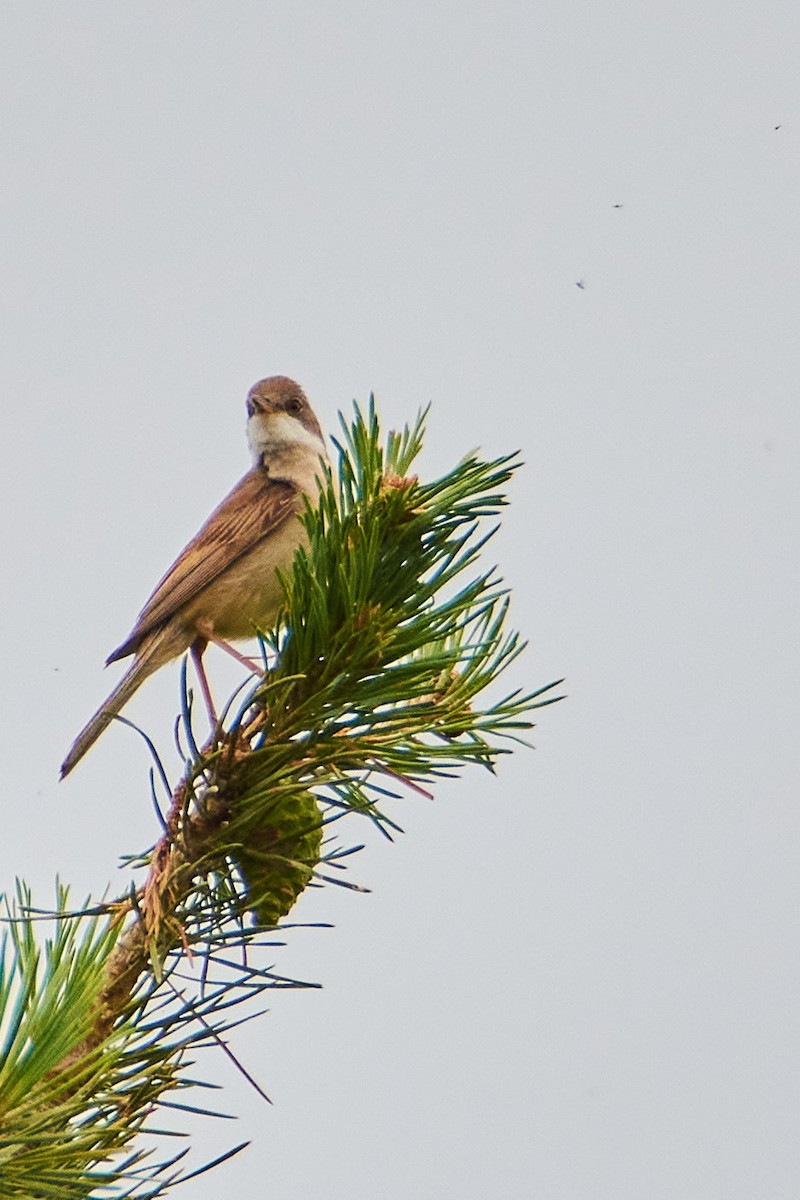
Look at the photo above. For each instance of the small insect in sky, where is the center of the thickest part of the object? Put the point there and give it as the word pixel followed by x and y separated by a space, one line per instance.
pixel 580 283
pixel 617 205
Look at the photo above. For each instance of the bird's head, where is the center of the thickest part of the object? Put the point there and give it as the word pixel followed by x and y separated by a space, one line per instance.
pixel 279 416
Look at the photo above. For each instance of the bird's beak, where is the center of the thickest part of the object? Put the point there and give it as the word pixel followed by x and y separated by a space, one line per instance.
pixel 257 405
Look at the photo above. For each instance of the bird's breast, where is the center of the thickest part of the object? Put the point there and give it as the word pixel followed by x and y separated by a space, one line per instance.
pixel 248 594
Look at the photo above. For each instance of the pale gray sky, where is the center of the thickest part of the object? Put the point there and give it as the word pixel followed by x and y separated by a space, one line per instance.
pixel 580 980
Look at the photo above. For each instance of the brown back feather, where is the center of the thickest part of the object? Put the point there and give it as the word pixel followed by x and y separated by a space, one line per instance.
pixel 255 507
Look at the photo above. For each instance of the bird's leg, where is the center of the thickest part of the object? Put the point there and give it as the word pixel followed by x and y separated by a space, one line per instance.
pixel 206 630
pixel 255 668
pixel 196 650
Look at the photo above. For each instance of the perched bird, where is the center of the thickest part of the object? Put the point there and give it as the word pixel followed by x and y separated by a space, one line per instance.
pixel 224 584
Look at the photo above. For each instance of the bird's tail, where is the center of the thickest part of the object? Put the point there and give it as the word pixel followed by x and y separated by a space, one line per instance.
pixel 144 665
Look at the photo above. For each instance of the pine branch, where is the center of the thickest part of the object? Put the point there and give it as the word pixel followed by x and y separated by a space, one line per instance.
pixel 372 683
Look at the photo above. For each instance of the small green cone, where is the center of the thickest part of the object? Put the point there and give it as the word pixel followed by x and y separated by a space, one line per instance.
pixel 278 857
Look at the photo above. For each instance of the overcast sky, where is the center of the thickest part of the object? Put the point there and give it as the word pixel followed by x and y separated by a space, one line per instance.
pixel 578 980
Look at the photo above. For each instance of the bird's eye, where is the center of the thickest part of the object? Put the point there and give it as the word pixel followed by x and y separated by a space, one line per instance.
pixel 295 405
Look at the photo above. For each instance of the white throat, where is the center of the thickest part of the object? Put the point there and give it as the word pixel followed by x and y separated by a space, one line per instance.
pixel 275 433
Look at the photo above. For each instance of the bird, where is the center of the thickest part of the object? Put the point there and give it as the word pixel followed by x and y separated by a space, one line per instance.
pixel 579 283
pixel 224 584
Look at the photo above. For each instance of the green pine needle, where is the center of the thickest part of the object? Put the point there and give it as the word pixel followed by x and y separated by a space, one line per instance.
pixel 382 677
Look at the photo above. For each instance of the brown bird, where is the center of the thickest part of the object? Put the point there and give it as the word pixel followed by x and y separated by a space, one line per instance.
pixel 224 584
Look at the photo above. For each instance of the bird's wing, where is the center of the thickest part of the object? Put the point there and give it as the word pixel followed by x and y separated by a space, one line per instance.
pixel 254 509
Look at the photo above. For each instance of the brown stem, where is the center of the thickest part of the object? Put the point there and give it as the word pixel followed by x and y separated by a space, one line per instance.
pixel 189 838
